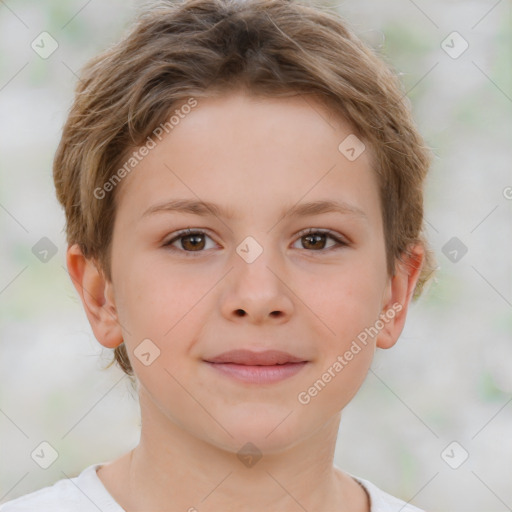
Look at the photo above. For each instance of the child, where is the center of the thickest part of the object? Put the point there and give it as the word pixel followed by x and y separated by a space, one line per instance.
pixel 243 189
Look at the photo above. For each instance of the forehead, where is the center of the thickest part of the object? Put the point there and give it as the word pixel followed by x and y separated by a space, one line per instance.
pixel 247 153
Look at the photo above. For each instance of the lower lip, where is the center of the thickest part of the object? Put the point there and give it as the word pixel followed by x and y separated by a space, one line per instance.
pixel 259 374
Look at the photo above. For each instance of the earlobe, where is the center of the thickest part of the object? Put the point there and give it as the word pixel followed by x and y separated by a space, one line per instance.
pixel 97 297
pixel 399 294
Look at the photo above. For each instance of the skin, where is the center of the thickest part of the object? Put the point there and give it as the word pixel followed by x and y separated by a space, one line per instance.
pixel 254 156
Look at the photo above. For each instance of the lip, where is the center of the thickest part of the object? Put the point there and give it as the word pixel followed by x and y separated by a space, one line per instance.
pixel 264 367
pixel 249 357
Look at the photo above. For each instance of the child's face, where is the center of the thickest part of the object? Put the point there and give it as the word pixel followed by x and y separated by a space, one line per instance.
pixel 307 296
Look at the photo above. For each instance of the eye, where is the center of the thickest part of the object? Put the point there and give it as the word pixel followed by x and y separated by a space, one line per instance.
pixel 189 241
pixel 194 241
pixel 315 239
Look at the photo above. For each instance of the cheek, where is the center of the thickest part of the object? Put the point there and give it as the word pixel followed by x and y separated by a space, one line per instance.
pixel 348 308
pixel 167 305
pixel 338 382
pixel 155 300
pixel 347 300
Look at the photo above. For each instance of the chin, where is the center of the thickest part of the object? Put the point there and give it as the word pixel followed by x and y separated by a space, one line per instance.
pixel 271 429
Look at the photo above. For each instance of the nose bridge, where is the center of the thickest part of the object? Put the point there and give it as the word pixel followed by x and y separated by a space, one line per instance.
pixel 254 259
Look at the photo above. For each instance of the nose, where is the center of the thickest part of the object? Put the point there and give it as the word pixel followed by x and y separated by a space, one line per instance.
pixel 257 292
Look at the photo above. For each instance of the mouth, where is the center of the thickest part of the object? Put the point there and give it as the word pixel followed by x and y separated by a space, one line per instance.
pixel 257 367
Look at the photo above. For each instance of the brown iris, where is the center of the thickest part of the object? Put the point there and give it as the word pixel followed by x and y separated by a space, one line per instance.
pixel 314 239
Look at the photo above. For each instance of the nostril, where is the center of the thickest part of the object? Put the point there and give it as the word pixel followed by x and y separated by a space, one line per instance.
pixel 240 312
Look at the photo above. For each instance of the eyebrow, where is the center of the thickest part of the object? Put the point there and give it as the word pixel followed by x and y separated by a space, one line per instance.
pixel 205 208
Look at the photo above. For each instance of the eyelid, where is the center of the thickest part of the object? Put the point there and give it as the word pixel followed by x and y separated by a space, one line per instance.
pixel 183 233
pixel 341 241
pixel 324 231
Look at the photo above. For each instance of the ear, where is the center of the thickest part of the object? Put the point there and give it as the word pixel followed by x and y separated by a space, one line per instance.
pixel 97 297
pixel 398 295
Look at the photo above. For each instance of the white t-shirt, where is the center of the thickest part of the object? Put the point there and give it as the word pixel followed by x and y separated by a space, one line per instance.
pixel 86 493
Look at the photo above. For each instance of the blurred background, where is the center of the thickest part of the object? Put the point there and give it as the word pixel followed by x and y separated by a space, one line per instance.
pixel 433 420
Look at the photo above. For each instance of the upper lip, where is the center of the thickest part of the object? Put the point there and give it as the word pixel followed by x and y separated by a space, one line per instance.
pixel 251 358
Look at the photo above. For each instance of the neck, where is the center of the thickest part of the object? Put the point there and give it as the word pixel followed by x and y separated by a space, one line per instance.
pixel 172 470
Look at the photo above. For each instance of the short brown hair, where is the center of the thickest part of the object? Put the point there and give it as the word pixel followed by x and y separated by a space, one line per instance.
pixel 270 48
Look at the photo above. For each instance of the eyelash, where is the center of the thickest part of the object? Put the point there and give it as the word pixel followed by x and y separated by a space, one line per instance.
pixel 310 231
